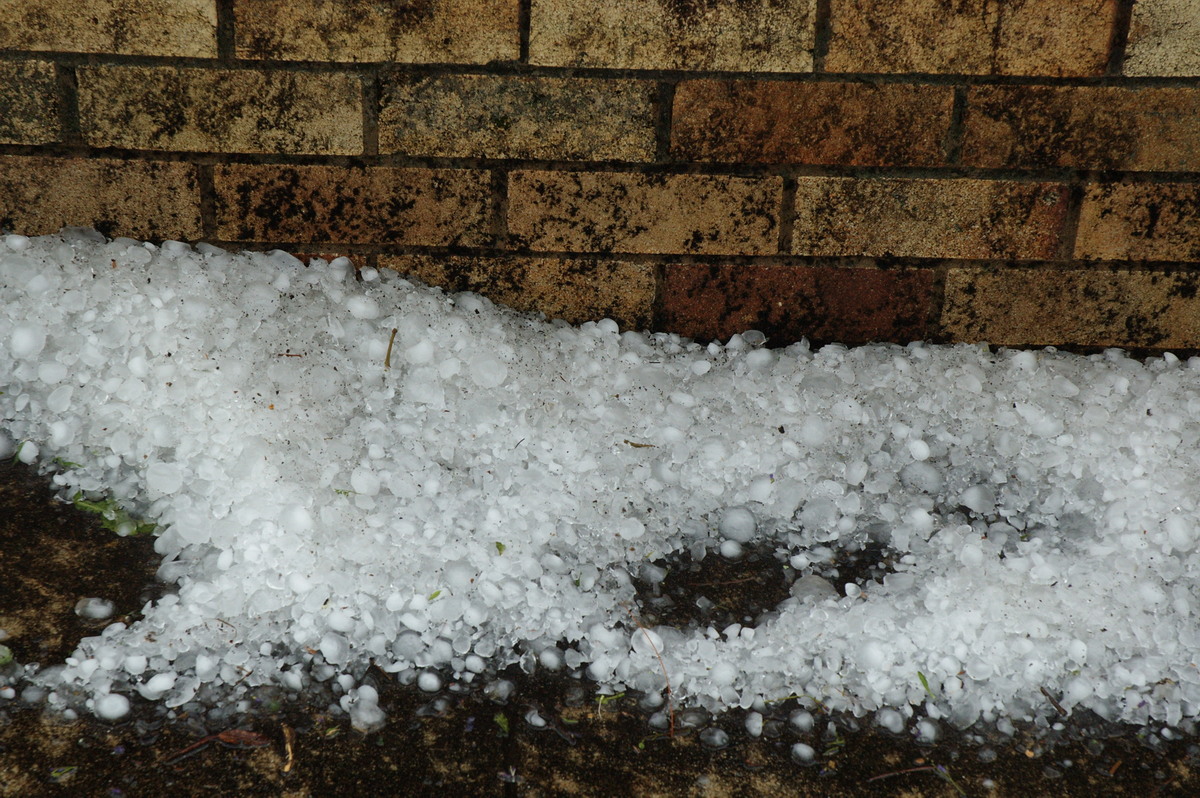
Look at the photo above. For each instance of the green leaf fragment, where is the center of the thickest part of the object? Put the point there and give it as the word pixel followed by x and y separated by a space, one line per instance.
pixel 500 547
pixel 501 720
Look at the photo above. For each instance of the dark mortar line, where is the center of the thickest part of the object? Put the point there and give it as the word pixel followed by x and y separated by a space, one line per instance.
pixel 665 100
pixel 1120 38
pixel 741 169
pixel 68 104
pixel 523 30
pixel 954 132
pixel 208 201
pixel 1070 228
pixel 822 33
pixel 787 215
pixel 499 224
pixel 935 331
pixel 226 33
pixel 500 69
pixel 370 100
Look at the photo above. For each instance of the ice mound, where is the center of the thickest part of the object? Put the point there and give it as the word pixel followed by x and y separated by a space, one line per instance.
pixel 354 471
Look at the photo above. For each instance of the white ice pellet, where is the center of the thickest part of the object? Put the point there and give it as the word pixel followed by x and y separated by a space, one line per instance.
pixel 26 341
pixel 94 609
pixel 362 307
pixel 429 681
pixel 111 706
pixel 891 720
pixel 804 753
pixel 737 524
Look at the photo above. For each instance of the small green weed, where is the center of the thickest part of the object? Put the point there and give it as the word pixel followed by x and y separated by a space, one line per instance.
pixel 113 517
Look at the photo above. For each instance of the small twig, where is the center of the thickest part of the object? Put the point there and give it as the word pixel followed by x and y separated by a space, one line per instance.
pixel 289 740
pixel 387 359
pixel 1057 706
pixel 663 665
pixel 923 769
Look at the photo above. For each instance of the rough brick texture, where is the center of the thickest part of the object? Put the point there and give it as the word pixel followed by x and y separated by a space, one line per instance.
pixel 574 289
pixel 326 204
pixel 1164 38
pixel 855 124
pixel 141 199
pixel 180 28
pixel 27 95
pixel 1140 221
pixel 821 301
pixel 438 31
pixel 1048 307
pixel 221 110
pixel 928 218
pixel 746 36
pixel 983 37
pixel 1090 127
pixel 519 117
pixel 624 212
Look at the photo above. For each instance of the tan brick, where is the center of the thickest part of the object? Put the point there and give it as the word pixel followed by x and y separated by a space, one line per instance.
pixel 574 289
pixel 221 110
pixel 330 204
pixel 747 36
pixel 1140 221
pixel 1084 307
pixel 983 37
pixel 1091 127
pixel 851 303
pixel 141 199
pixel 928 218
pixel 185 28
pixel 519 117
pixel 623 212
pixel 420 31
pixel 29 97
pixel 855 124
pixel 1164 38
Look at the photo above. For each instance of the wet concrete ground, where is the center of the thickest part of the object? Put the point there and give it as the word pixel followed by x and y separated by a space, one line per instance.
pixel 459 743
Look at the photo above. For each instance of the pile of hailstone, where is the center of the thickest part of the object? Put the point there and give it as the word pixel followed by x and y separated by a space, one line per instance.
pixel 481 487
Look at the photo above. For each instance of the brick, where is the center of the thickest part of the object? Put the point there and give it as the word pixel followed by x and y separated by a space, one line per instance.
pixel 220 110
pixel 1164 38
pixel 821 301
pixel 1140 221
pixel 855 124
pixel 419 31
pixel 29 97
pixel 1090 127
pixel 928 218
pixel 1083 307
pixel 574 289
pixel 141 199
pixel 624 212
pixel 745 36
pixel 519 117
pixel 184 28
pixel 981 37
pixel 337 205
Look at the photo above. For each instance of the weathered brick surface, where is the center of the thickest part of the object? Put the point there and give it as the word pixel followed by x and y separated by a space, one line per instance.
pixel 1140 221
pixel 575 289
pixel 624 212
pixel 746 36
pixel 519 117
pixel 928 218
pixel 220 110
pixel 1164 38
pixel 328 204
pixel 420 31
pixel 1091 127
pixel 820 301
pixel 186 28
pixel 29 99
pixel 1033 37
pixel 1076 306
pixel 855 124
pixel 151 200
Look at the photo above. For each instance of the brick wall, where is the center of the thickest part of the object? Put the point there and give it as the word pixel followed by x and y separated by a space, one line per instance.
pixel 1023 172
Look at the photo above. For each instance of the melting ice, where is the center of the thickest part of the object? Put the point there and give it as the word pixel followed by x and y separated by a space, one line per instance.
pixel 481 487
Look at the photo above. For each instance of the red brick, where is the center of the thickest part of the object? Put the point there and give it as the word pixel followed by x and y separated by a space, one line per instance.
pixel 821 301
pixel 855 124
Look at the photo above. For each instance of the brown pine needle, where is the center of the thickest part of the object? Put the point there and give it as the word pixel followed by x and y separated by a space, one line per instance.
pixel 387 359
